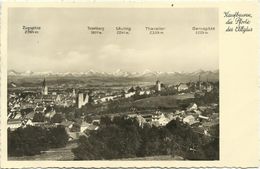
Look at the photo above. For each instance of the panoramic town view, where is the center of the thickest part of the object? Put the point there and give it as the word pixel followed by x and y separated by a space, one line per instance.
pixel 89 85
pixel 93 116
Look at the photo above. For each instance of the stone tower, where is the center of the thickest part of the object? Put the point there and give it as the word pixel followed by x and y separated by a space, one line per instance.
pixel 158 85
pixel 83 99
pixel 44 88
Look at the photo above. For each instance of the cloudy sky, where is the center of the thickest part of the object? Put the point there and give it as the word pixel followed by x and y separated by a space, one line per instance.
pixel 64 43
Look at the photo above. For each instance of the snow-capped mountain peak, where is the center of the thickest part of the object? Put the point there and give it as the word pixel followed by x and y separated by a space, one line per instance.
pixel 117 73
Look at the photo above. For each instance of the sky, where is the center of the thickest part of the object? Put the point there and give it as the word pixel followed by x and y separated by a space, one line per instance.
pixel 64 43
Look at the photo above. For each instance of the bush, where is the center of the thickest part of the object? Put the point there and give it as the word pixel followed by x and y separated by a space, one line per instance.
pixel 38 117
pixel 57 118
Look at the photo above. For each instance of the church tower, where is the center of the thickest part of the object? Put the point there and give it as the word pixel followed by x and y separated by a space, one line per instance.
pixel 83 99
pixel 44 88
pixel 158 86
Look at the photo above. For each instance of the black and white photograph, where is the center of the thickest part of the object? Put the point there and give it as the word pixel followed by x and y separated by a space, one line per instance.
pixel 123 84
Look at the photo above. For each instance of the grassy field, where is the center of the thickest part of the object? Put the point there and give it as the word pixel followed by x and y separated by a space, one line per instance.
pixel 161 101
pixel 155 102
pixel 184 96
pixel 55 154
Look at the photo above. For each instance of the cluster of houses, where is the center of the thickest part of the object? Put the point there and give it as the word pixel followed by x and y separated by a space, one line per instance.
pixel 193 115
pixel 195 87
pixel 74 129
pixel 16 102
pixel 181 87
pixel 200 117
pixel 23 108
pixel 123 94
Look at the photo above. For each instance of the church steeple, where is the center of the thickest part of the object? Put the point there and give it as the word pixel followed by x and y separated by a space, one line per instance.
pixel 44 88
pixel 43 83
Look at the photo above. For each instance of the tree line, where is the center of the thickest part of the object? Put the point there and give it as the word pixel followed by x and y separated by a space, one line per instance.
pixel 123 138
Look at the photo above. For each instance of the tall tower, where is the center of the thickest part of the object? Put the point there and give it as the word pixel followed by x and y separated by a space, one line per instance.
pixel 158 85
pixel 199 82
pixel 80 100
pixel 83 99
pixel 44 88
pixel 73 93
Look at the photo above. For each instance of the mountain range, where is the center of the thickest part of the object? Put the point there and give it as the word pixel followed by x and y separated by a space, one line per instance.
pixel 147 74
pixel 117 73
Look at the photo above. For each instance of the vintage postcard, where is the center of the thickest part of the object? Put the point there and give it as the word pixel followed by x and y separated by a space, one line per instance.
pixel 129 84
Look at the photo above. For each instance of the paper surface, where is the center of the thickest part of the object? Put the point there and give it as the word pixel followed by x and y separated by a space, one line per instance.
pixel 71 62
